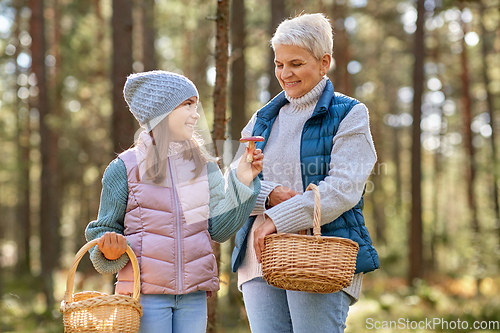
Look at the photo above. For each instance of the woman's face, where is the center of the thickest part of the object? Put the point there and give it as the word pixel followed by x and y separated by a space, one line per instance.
pixel 182 120
pixel 297 70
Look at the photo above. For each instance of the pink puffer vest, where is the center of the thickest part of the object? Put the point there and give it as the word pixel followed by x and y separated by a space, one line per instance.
pixel 167 228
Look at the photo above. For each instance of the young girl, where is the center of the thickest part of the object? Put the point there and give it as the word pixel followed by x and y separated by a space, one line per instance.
pixel 167 197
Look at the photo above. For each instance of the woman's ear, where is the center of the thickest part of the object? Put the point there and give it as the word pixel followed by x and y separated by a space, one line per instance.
pixel 326 62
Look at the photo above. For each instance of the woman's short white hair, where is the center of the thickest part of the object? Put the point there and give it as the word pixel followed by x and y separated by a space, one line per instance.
pixel 310 31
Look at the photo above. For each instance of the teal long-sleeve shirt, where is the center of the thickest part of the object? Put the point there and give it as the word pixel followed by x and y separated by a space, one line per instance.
pixel 229 209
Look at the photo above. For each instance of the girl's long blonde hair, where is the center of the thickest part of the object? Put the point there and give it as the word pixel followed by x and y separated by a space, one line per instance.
pixel 156 160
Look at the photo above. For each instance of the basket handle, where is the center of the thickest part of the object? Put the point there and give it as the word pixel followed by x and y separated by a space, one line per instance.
pixel 68 296
pixel 317 209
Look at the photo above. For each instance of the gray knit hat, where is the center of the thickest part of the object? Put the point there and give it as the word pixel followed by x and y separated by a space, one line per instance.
pixel 151 96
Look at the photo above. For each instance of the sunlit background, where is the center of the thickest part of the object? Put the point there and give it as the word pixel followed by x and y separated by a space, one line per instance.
pixel 374 56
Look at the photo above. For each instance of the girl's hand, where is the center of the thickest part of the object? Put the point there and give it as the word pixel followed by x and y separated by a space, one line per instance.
pixel 112 245
pixel 262 231
pixel 247 171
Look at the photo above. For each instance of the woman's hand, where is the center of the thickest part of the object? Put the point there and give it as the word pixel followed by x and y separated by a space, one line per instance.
pixel 247 171
pixel 280 194
pixel 262 231
pixel 112 245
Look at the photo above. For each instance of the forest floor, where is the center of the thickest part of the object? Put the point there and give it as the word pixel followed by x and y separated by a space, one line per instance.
pixel 441 304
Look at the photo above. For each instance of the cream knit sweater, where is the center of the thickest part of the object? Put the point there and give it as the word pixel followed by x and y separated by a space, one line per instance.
pixel 352 159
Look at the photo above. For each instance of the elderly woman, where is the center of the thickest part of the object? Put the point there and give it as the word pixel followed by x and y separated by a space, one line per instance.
pixel 312 135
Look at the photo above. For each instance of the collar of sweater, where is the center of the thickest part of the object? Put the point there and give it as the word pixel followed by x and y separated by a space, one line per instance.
pixel 309 100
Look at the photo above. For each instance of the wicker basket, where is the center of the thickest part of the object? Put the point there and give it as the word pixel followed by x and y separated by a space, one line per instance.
pixel 309 263
pixel 92 311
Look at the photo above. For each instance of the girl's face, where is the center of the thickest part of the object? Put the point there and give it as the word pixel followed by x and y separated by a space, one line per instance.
pixel 297 70
pixel 182 120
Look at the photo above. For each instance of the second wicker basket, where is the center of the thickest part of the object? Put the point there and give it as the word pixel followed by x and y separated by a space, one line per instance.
pixel 309 263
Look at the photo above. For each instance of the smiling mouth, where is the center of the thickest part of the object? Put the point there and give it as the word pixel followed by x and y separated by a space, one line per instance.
pixel 289 84
pixel 191 126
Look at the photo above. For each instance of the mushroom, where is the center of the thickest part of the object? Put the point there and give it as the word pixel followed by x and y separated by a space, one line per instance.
pixel 251 145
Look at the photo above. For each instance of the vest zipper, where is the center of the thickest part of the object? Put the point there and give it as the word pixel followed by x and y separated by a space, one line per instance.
pixel 178 223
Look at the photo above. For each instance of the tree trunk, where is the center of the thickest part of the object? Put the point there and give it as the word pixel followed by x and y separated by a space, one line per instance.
pixel 49 210
pixel 148 35
pixel 55 85
pixel 277 16
pixel 436 200
pixel 341 50
pixel 83 218
pixel 397 167
pixel 23 160
pixel 24 208
pixel 219 128
pixel 377 196
pixel 238 72
pixel 397 131
pixel 221 66
pixel 467 120
pixel 438 169
pixel 436 231
pixel 415 236
pixel 1 266
pixel 123 122
pixel 238 107
pixel 470 152
pixel 101 22
pixel 489 101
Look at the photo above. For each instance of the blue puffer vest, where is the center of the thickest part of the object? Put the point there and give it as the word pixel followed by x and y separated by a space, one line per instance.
pixel 315 154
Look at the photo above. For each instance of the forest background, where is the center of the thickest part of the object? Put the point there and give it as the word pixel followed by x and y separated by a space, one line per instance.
pixel 428 71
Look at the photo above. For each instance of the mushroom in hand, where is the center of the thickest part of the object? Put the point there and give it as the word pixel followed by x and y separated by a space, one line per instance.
pixel 251 145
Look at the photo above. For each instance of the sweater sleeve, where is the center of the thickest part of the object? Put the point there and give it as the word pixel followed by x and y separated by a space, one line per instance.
pixel 230 205
pixel 352 159
pixel 114 197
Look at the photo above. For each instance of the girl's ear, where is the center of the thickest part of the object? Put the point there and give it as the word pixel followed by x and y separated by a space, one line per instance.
pixel 326 62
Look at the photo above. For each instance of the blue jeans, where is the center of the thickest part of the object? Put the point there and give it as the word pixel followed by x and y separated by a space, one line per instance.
pixel 274 310
pixel 174 313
